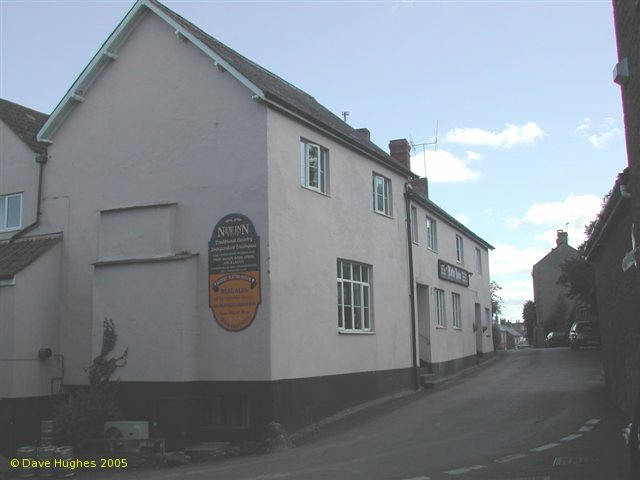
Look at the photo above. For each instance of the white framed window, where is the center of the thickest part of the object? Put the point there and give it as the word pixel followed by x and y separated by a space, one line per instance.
pixel 459 249
pixel 10 211
pixel 432 235
pixel 487 320
pixel 457 314
pixel 440 308
pixel 381 194
pixel 414 224
pixel 314 167
pixel 478 261
pixel 354 297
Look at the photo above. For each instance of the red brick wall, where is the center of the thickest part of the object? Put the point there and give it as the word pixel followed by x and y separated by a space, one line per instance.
pixel 627 24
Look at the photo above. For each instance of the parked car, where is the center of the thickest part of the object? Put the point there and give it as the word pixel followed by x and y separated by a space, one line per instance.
pixel 584 334
pixel 523 344
pixel 557 339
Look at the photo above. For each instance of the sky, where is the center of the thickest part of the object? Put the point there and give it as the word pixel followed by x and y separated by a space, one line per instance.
pixel 518 94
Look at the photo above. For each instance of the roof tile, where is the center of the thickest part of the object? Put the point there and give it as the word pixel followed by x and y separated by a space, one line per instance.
pixel 16 256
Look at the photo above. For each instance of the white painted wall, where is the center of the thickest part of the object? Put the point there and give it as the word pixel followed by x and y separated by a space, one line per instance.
pixel 35 326
pixel 18 174
pixel 308 232
pixel 450 343
pixel 160 125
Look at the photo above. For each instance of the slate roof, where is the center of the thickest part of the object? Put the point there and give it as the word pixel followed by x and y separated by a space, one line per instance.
pixel 24 122
pixel 16 256
pixel 281 91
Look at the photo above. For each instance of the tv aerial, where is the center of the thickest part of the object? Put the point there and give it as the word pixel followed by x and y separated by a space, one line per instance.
pixel 424 147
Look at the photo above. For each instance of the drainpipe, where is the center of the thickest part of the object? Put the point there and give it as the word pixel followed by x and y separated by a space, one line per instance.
pixel 407 203
pixel 41 159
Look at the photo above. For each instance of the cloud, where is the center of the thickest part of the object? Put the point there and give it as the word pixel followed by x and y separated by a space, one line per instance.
pixel 511 136
pixel 512 260
pixel 443 167
pixel 584 127
pixel 462 218
pixel 602 136
pixel 473 156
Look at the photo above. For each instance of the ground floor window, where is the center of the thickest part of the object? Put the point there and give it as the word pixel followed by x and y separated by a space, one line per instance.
pixel 354 297
pixel 440 310
pixel 457 315
pixel 227 411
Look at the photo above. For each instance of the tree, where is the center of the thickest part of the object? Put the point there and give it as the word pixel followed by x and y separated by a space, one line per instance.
pixel 577 276
pixel 530 318
pixel 496 300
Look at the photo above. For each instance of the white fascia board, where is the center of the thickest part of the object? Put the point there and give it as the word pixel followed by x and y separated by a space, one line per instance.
pixel 109 52
pixel 217 59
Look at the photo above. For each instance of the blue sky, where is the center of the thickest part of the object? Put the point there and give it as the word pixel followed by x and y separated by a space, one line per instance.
pixel 529 122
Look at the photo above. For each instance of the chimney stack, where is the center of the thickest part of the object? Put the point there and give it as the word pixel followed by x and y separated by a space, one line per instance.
pixel 364 132
pixel 421 187
pixel 563 237
pixel 400 150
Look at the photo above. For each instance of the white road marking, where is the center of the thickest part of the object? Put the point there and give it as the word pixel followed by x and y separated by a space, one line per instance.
pixel 573 436
pixel 585 429
pixel 460 471
pixel 510 458
pixel 418 478
pixel 544 447
pixel 593 421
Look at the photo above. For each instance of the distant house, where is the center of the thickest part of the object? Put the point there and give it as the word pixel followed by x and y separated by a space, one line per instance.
pixel 554 310
pixel 509 337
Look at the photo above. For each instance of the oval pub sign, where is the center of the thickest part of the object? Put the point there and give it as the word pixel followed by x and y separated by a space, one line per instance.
pixel 234 272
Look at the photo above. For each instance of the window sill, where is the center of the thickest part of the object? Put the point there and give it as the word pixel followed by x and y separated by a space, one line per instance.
pixel 382 214
pixel 309 189
pixel 458 328
pixel 8 230
pixel 353 332
pixel 441 327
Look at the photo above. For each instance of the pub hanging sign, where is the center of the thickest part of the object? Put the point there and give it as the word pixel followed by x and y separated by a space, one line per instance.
pixel 454 274
pixel 234 272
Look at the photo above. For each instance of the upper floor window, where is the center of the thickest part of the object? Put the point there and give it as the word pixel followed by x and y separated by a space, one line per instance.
pixel 10 211
pixel 381 194
pixel 354 297
pixel 478 261
pixel 314 169
pixel 432 235
pixel 459 249
pixel 414 224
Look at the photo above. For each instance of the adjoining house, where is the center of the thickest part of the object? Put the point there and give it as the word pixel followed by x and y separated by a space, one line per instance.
pixel 607 249
pixel 29 269
pixel 626 26
pixel 451 276
pixel 554 310
pixel 251 247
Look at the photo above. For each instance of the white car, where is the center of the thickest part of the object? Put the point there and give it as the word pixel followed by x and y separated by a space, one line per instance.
pixel 523 344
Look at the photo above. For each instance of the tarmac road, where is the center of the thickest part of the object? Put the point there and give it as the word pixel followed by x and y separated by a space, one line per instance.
pixel 537 414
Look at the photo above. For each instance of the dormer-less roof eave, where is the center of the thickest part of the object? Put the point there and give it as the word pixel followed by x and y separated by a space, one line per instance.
pixel 109 52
